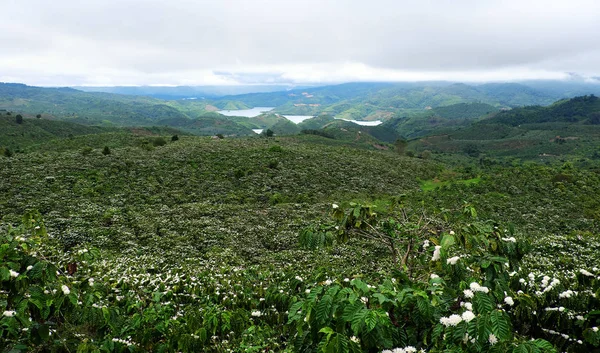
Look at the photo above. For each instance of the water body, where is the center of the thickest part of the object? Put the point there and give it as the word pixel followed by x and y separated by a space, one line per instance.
pixel 297 119
pixel 248 113
pixel 258 131
pixel 363 123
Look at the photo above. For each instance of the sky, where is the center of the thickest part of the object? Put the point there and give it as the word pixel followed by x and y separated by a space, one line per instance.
pixel 231 42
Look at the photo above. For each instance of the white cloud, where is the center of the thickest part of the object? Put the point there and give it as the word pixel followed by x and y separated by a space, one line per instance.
pixel 193 42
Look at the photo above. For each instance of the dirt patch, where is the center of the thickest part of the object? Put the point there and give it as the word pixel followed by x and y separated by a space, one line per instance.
pixel 381 147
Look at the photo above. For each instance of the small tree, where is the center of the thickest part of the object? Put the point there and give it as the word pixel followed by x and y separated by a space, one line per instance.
pixel 39 116
pixel 106 151
pixel 400 145
pixel 19 119
pixel 174 138
pixel 7 153
pixel 269 133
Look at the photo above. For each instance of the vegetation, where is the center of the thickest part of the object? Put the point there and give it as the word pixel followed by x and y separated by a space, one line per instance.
pixel 332 240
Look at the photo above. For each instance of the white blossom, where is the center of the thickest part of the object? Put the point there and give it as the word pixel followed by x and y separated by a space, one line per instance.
pixel 509 301
pixel 475 287
pixel 65 289
pixel 8 313
pixel 492 339
pixel 468 316
pixel 452 320
pixel 436 253
pixel 13 274
pixel 453 260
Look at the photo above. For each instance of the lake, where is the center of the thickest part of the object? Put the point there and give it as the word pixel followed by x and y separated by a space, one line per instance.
pixel 363 123
pixel 248 113
pixel 296 119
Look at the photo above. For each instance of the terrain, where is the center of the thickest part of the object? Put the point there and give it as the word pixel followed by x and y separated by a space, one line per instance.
pixel 438 230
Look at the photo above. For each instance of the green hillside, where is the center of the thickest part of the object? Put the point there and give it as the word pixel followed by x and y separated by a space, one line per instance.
pixel 567 129
pixel 33 130
pixel 85 108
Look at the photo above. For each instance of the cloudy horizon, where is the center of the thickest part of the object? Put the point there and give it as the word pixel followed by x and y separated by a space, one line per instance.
pixel 231 42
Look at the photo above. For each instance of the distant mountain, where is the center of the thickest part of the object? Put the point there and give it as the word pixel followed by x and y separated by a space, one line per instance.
pixel 372 101
pixel 187 92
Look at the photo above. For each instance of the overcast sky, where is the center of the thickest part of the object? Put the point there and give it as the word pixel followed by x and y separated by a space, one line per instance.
pixel 202 42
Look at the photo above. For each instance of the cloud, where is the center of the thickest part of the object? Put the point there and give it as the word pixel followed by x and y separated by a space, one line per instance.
pixel 244 41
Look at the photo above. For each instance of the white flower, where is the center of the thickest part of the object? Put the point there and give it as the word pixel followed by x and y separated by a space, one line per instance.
pixel 334 206
pixel 492 339
pixel 65 289
pixel 8 313
pixel 436 253
pixel 451 232
pixel 29 267
pixel 595 329
pixel 425 244
pixel 355 339
pixel 511 239
pixel 453 260
pixel 586 273
pixel 346 279
pixel 566 294
pixel 14 274
pixel 256 313
pixel 327 282
pixel 365 300
pixel 468 293
pixel 468 316
pixel 452 320
pixel 509 301
pixel 307 291
pixel 299 278
pixel 467 306
pixel 475 287
pixel 433 276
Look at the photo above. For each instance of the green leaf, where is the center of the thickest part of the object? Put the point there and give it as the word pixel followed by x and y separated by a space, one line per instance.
pixel 323 309
pixel 447 241
pixel 371 320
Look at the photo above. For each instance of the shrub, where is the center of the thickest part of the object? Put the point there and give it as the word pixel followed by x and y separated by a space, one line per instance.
pixel 86 151
pixel 106 151
pixel 174 138
pixel 19 119
pixel 158 141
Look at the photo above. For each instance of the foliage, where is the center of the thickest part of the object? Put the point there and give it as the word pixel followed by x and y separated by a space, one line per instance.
pixel 193 246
